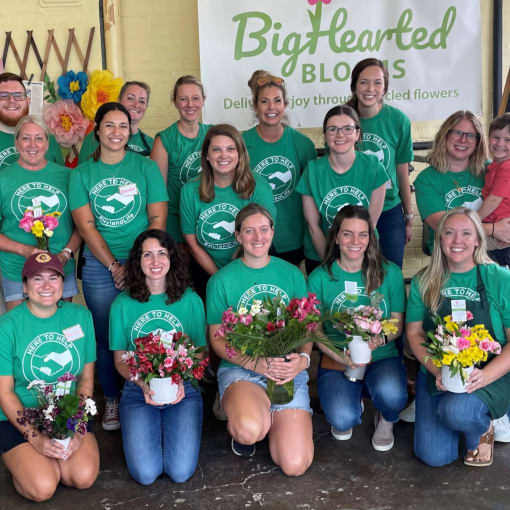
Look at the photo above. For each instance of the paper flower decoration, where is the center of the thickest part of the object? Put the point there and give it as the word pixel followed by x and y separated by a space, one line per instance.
pixel 72 86
pixel 313 2
pixel 66 122
pixel 102 88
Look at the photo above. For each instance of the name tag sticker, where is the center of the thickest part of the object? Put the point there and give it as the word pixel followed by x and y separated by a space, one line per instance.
pixel 129 190
pixel 388 185
pixel 459 313
pixel 351 291
pixel 73 333
pixel 36 207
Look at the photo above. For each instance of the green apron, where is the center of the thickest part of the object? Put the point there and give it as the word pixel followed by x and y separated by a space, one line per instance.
pixel 497 394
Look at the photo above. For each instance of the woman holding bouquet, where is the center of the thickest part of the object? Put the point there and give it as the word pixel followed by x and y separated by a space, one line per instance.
pixel 251 416
pixel 114 196
pixel 463 278
pixel 43 339
pixel 354 271
pixel 33 180
pixel 157 438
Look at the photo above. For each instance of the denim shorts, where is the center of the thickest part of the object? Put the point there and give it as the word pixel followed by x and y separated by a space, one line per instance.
pixel 10 436
pixel 229 375
pixel 13 289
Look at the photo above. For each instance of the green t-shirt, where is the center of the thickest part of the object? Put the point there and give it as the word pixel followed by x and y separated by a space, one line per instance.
pixel 281 164
pixel 19 187
pixel 131 319
pixel 32 348
pixel 238 285
pixel 331 191
pixel 183 165
pixel 9 154
pixel 135 143
pixel 213 222
pixel 437 192
pixel 388 137
pixel 332 296
pixel 118 196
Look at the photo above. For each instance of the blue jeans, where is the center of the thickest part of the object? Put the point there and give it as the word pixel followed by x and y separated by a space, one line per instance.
pixel 99 292
pixel 441 419
pixel 161 439
pixel 385 382
pixel 392 234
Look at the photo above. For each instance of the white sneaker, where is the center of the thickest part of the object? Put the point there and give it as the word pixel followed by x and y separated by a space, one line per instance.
pixel 409 413
pixel 502 429
pixel 341 435
pixel 383 439
pixel 111 420
pixel 217 408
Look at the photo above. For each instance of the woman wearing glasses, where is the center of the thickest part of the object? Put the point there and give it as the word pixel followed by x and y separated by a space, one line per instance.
pixel 343 176
pixel 279 154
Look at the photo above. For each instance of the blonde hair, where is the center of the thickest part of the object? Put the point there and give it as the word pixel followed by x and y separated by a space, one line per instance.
pixel 270 81
pixel 31 119
pixel 432 278
pixel 438 156
pixel 188 79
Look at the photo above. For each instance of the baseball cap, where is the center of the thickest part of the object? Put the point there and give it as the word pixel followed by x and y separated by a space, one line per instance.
pixel 39 262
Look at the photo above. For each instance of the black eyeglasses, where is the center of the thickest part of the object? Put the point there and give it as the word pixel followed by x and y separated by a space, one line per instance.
pixel 457 134
pixel 18 96
pixel 335 130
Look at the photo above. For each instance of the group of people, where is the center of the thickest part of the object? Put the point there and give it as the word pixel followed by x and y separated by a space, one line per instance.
pixel 202 218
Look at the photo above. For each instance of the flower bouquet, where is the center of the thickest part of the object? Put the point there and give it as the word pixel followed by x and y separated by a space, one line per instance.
pixel 163 360
pixel 360 325
pixel 456 348
pixel 60 414
pixel 39 224
pixel 269 329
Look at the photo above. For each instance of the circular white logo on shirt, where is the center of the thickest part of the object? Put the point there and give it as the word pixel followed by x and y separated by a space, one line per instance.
pixel 340 197
pixel 280 173
pixel 374 145
pixel 465 196
pixel 8 156
pixel 460 293
pixel 51 198
pixel 153 320
pixel 262 291
pixel 216 227
pixel 49 356
pixel 111 206
pixel 191 167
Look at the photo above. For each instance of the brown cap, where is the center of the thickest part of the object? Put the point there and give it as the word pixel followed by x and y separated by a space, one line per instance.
pixel 39 262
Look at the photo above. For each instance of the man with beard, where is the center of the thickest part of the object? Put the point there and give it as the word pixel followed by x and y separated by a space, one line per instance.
pixel 14 105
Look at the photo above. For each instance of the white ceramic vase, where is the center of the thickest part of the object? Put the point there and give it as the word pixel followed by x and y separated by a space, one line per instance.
pixel 165 391
pixel 454 383
pixel 359 349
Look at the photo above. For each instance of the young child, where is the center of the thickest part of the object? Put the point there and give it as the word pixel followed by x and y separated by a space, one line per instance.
pixel 496 190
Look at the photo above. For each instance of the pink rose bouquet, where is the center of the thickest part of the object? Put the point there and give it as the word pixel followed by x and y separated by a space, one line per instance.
pixel 42 227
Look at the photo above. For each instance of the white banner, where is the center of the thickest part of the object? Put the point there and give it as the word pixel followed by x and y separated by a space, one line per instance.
pixel 432 51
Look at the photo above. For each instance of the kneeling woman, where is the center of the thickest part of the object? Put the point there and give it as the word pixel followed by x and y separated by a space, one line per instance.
pixel 157 438
pixel 44 328
pixel 460 275
pixel 251 416
pixel 353 271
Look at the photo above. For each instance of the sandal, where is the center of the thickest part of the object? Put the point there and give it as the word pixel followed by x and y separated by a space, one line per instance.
pixel 472 456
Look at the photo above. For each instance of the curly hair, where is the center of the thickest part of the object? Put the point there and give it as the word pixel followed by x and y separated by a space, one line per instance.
pixel 177 279
pixel 372 265
pixel 438 156
pixel 243 183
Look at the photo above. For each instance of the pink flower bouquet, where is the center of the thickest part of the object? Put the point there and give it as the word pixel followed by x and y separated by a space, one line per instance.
pixel 41 227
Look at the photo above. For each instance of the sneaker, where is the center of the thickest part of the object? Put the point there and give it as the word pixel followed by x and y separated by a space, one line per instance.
pixel 111 414
pixel 243 450
pixel 502 429
pixel 409 413
pixel 341 435
pixel 217 408
pixel 383 439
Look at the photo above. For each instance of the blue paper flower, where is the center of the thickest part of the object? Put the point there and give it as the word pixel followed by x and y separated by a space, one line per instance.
pixel 72 85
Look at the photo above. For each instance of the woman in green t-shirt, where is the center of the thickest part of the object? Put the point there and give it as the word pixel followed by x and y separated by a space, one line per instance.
pixel 353 271
pixel 177 148
pixel 157 438
pixel 460 277
pixel 42 339
pixel 279 154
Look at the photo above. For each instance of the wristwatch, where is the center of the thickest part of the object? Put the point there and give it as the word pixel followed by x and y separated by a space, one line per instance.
pixel 69 251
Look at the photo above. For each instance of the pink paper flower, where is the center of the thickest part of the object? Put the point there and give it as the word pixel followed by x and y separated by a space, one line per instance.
pixel 66 122
pixel 313 2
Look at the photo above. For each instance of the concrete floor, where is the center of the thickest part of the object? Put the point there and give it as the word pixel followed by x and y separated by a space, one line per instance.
pixel 344 475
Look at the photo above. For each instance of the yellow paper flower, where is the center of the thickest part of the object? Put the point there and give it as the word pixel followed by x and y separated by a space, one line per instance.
pixel 102 88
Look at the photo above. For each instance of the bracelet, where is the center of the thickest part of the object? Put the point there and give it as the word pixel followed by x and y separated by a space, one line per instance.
pixel 66 255
pixel 409 216
pixel 307 356
pixel 69 252
pixel 112 264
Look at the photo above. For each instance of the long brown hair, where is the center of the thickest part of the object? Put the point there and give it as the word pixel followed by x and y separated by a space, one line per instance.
pixel 243 183
pixel 357 70
pixel 372 265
